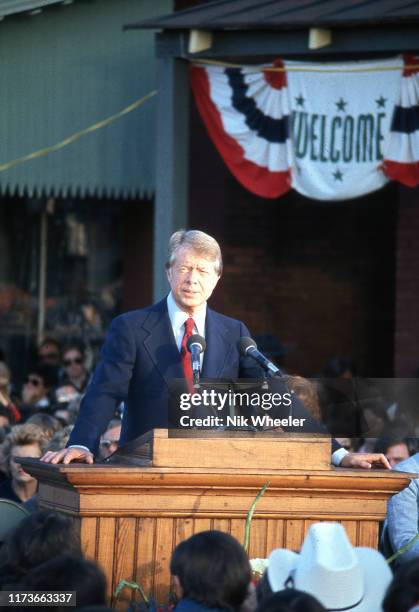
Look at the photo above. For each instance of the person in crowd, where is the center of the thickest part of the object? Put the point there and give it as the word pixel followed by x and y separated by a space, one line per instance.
pixel 37 539
pixel 36 390
pixel 65 573
pixel 377 421
pixel 67 402
pixel 306 391
pixel 211 572
pixel 350 444
pixel 57 442
pixel 49 352
pixel 402 523
pixel 340 366
pixel 25 440
pixel 330 569
pixel 75 370
pixel 290 600
pixel 403 593
pixel 49 424
pixel 3 433
pixel 145 351
pixel 60 438
pixel 395 448
pixel 109 442
pixel 7 401
pixel 7 419
pixel 338 396
pixel 405 409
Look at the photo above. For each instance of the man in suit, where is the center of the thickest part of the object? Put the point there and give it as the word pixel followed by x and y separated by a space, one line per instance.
pixel 145 351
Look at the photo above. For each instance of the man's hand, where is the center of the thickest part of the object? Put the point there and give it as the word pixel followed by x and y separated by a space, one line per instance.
pixel 365 461
pixel 67 455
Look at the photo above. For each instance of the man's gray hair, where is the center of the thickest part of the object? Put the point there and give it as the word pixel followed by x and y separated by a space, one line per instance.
pixel 204 244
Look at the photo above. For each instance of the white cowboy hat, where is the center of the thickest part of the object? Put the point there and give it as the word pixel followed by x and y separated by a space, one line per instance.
pixel 328 567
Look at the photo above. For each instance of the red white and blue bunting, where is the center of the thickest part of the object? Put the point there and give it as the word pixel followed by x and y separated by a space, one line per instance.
pixel 332 132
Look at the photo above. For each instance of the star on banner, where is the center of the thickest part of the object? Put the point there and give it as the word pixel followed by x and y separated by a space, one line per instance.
pixel 338 175
pixel 341 104
pixel 300 100
pixel 381 102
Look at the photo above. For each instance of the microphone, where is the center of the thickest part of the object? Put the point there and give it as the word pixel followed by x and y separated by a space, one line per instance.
pixel 196 345
pixel 248 348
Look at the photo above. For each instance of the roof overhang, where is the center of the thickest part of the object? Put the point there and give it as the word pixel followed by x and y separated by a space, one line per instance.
pixel 15 7
pixel 262 28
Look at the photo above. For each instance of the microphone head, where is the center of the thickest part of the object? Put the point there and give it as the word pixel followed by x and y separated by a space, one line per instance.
pixel 198 340
pixel 244 344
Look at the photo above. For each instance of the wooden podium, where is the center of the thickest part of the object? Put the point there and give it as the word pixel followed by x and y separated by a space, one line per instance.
pixel 132 516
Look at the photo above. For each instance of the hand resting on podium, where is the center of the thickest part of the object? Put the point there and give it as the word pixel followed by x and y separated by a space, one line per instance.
pixel 67 455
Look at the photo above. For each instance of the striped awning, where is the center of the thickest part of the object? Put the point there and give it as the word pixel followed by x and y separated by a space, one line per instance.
pixel 62 71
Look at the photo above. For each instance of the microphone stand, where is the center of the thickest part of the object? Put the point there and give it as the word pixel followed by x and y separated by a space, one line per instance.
pixel 196 379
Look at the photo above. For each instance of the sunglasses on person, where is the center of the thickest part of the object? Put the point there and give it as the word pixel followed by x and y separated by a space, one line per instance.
pixel 33 381
pixel 76 360
pixel 107 443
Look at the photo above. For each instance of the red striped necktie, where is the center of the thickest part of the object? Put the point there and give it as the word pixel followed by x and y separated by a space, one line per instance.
pixel 185 354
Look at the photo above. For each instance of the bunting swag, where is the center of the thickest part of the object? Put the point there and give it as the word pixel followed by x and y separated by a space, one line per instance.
pixel 402 155
pixel 247 116
pixel 332 132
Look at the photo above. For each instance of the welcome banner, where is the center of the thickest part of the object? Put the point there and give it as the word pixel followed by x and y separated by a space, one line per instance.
pixel 332 132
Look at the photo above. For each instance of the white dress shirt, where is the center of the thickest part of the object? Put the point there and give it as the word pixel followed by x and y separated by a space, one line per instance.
pixel 178 318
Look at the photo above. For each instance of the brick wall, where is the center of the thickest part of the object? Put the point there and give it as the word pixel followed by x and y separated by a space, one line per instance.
pixel 407 278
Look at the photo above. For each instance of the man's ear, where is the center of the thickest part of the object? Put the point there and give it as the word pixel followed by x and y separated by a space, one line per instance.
pixel 177 587
pixel 216 282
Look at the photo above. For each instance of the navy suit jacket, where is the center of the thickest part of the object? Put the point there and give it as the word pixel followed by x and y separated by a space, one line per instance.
pixel 140 361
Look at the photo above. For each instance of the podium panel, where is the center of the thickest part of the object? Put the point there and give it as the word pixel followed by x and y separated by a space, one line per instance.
pixel 131 518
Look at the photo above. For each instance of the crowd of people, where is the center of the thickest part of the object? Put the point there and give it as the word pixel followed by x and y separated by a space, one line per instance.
pixel 211 572
pixel 41 416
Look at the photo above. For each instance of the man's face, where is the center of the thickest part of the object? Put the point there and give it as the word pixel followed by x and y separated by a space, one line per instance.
pixel 109 442
pixel 49 353
pixel 73 363
pixel 192 279
pixel 33 389
pixel 397 453
pixel 17 472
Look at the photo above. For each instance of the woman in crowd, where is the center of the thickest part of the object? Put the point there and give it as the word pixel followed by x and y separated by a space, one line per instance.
pixel 7 401
pixel 75 370
pixel 25 440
